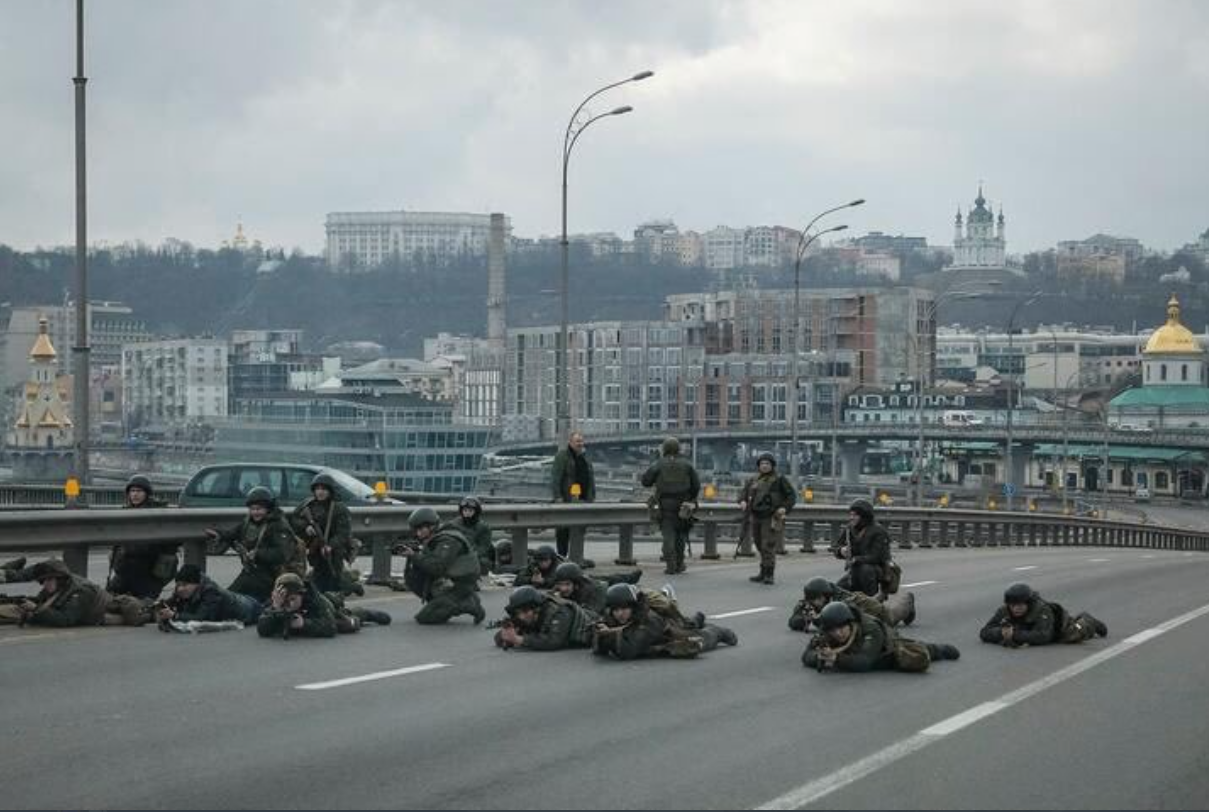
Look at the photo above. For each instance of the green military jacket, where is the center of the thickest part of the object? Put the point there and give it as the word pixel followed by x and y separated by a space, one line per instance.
pixel 448 554
pixel 333 521
pixel 479 536
pixel 1040 625
pixel 554 627
pixel 765 494
pixel 673 478
pixel 871 650
pixel 802 615
pixel 318 618
pixel 78 602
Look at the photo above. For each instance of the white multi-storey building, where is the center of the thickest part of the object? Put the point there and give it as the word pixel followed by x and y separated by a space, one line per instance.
pixel 174 381
pixel 724 247
pixel 362 240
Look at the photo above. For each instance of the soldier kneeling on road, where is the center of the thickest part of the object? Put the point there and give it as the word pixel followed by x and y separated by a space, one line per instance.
pixel 850 640
pixel 818 592
pixel 542 622
pixel 1025 619
pixel 638 624
pixel 443 569
pixel 197 597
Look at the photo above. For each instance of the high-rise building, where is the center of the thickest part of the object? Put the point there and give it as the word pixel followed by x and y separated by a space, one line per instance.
pixel 174 382
pixel 358 241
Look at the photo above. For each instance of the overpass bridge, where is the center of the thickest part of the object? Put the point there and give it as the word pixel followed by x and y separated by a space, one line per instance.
pixel 1112 723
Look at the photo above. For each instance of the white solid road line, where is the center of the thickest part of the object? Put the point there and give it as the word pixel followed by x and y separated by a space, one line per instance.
pixel 1097 560
pixel 1022 569
pixel 919 583
pixel 819 788
pixel 398 672
pixel 742 612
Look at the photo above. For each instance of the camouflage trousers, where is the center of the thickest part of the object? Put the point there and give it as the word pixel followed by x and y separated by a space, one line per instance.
pixel 458 599
pixel 675 537
pixel 768 535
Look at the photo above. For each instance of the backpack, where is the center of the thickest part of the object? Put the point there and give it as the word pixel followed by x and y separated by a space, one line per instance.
pixel 891 578
pixel 663 605
pixel 911 655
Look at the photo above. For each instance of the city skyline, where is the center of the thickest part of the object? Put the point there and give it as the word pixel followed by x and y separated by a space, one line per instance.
pixel 277 113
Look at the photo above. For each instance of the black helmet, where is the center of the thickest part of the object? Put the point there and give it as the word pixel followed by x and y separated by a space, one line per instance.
pixel 834 615
pixel 260 495
pixel 326 480
pixel 141 482
pixel 525 597
pixel 545 551
pixel 818 587
pixel 471 502
pixel 766 456
pixel 503 552
pixel 568 571
pixel 670 447
pixel 1018 593
pixel 421 517
pixel 619 595
pixel 862 508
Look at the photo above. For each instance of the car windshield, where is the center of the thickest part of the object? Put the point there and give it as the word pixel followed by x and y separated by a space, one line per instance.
pixel 354 486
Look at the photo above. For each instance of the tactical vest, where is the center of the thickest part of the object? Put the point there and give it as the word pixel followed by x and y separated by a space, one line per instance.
pixel 675 478
pixel 583 621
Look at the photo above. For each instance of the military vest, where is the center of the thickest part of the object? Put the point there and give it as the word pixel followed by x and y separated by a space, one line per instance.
pixel 675 478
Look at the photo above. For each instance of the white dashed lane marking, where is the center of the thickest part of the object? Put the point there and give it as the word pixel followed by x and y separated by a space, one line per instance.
pixel 1022 569
pixel 920 583
pixel 742 612
pixel 377 675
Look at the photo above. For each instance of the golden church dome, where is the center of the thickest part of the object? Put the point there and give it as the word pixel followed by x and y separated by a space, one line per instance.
pixel 1173 338
pixel 43 350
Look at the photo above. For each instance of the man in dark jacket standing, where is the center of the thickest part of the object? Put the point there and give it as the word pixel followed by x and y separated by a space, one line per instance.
pixel 141 570
pixel 765 500
pixel 198 597
pixel 572 480
pixel 865 547
pixel 1025 619
pixel 676 487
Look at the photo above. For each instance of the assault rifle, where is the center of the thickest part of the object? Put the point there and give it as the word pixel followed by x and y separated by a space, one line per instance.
pixel 820 646
pixel 17 600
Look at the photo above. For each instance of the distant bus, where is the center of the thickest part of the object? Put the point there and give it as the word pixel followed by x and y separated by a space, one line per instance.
pixel 960 419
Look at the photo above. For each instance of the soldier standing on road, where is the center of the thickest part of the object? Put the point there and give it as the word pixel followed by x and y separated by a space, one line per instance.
pixel 1025 619
pixel 141 570
pixel 818 592
pixel 676 487
pixel 631 629
pixel 766 498
pixel 850 640
pixel 477 531
pixel 325 524
pixel 541 622
pixel 572 480
pixel 865 547
pixel 446 570
pixel 265 543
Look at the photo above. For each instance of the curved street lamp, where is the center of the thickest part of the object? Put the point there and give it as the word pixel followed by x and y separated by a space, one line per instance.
pixel 804 243
pixel 575 128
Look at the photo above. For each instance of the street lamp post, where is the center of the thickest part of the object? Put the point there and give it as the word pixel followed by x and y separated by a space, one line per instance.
pixel 80 352
pixel 1078 373
pixel 804 243
pixel 575 128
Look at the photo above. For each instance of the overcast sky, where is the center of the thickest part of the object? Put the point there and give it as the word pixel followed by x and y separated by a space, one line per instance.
pixel 1079 116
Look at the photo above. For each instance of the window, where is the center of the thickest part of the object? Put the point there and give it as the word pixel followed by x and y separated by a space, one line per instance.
pixel 250 478
pixel 213 483
pixel 1161 480
pixel 1183 372
pixel 1162 372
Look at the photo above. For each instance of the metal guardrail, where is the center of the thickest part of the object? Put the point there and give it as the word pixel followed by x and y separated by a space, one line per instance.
pixel 73 532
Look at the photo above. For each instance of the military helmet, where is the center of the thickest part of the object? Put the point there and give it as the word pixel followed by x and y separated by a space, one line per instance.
pixel 51 568
pixel 619 595
pixel 260 495
pixel 568 571
pixel 545 551
pixel 670 447
pixel 326 480
pixel 525 597
pixel 766 456
pixel 1018 593
pixel 834 615
pixel 423 517
pixel 503 552
pixel 470 502
pixel 141 482
pixel 291 582
pixel 862 508
pixel 818 587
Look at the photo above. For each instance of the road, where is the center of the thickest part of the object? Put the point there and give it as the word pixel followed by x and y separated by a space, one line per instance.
pixel 135 718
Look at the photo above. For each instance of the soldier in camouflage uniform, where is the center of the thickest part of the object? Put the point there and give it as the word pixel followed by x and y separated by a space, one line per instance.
pixel 865 548
pixel 539 571
pixel 470 522
pixel 541 622
pixel 67 599
pixel 141 570
pixel 818 592
pixel 850 640
pixel 676 487
pixel 325 524
pixel 266 545
pixel 631 629
pixel 765 500
pixel 1025 619
pixel 296 609
pixel 445 570
pixel 571 584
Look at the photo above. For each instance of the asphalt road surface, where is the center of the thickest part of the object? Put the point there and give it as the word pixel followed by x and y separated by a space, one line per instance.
pixel 135 718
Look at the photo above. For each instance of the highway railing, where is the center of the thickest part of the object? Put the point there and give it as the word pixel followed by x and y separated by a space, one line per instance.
pixel 73 532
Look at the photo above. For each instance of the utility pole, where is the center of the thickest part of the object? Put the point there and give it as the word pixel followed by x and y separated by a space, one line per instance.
pixel 80 367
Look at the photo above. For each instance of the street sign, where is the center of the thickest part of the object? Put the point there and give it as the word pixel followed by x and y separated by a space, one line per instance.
pixel 1009 489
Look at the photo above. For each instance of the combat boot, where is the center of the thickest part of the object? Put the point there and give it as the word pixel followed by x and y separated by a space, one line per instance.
pixel 758 578
pixel 767 580
pixel 14 565
pixel 479 613
pixel 699 620
pixel 1101 629
pixel 943 651
pixel 374 616
pixel 727 636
